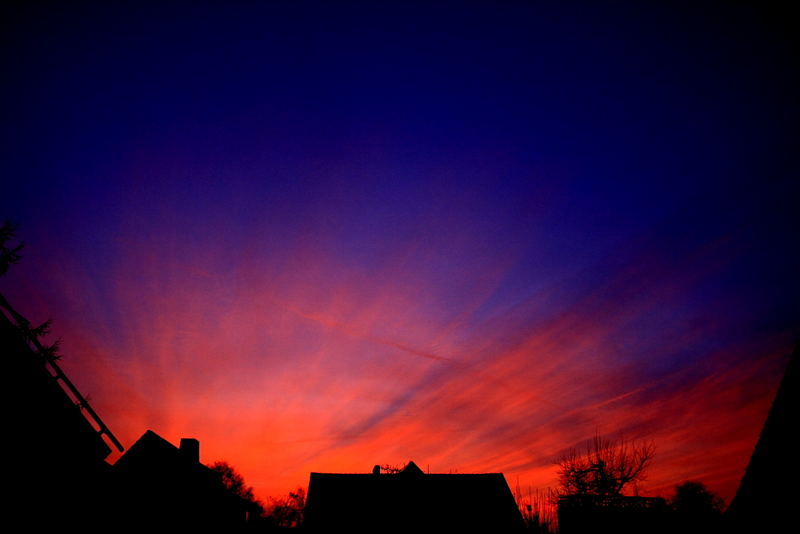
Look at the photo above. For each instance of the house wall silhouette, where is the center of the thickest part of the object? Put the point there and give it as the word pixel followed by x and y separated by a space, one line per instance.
pixel 161 485
pixel 411 499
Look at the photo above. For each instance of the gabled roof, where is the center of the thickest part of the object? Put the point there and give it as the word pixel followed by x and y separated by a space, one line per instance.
pixel 153 451
pixel 411 499
pixel 411 469
pixel 161 484
pixel 153 464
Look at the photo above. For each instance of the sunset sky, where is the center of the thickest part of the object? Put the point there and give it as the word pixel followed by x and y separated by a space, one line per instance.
pixel 321 238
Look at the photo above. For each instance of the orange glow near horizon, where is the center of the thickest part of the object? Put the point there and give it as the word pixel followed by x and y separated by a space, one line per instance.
pixel 287 374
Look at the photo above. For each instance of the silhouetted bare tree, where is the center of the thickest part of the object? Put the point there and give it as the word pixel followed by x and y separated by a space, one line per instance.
pixel 390 469
pixel 605 468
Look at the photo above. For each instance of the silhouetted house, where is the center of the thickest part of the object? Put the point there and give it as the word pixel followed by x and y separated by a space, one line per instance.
pixel 768 494
pixel 411 499
pixel 158 485
pixel 56 473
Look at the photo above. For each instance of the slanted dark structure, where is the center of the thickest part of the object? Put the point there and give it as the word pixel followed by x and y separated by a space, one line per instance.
pixel 159 485
pixel 767 498
pixel 411 500
pixel 56 444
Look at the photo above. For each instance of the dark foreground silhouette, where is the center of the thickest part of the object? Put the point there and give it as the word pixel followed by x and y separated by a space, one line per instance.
pixel 409 500
pixel 767 497
pixel 58 479
pixel 158 483
pixel 55 456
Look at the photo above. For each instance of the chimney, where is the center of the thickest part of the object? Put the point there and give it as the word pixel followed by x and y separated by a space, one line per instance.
pixel 190 448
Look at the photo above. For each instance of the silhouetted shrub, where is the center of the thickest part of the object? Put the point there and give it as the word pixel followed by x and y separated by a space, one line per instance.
pixel 236 484
pixel 287 512
pixel 695 508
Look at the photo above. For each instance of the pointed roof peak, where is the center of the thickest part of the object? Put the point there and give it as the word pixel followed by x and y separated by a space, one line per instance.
pixel 412 469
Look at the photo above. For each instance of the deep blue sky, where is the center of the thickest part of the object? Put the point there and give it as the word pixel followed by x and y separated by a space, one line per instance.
pixel 484 188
